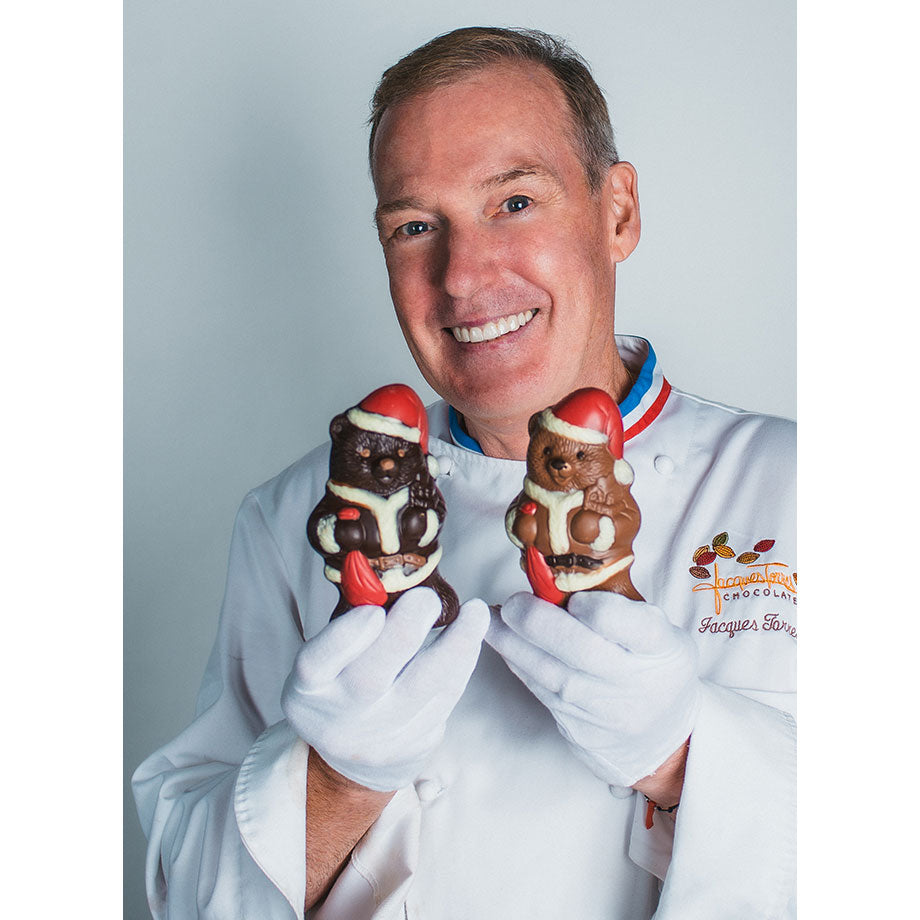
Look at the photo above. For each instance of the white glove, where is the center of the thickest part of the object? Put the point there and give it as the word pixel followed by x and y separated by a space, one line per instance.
pixel 618 677
pixel 368 701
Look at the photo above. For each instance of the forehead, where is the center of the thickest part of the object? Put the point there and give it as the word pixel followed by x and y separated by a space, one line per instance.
pixel 476 126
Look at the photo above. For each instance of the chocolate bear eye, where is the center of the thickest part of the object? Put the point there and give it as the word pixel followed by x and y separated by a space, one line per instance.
pixel 580 455
pixel 547 451
pixel 401 452
pixel 364 453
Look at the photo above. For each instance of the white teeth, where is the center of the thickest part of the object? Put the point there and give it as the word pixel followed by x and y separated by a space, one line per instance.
pixel 493 329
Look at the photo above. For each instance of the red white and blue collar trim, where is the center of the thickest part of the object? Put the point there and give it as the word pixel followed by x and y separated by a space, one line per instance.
pixel 641 406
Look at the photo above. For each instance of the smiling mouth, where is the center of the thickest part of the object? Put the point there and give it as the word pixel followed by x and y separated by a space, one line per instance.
pixel 493 329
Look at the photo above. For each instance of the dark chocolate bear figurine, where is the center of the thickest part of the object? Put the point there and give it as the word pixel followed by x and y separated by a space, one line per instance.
pixel 377 525
pixel 576 519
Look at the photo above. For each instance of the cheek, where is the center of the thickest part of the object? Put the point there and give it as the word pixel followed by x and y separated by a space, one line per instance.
pixel 409 275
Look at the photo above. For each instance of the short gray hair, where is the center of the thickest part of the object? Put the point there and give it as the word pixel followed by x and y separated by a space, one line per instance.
pixel 451 56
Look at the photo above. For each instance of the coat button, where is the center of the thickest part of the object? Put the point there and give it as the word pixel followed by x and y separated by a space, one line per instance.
pixel 664 465
pixel 428 790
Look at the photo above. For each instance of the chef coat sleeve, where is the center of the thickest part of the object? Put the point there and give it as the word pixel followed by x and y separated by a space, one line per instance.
pixel 729 850
pixel 197 862
pixel 223 805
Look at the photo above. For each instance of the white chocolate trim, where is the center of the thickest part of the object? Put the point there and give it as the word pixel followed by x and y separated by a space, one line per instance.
pixel 325 533
pixel 558 506
pixel 333 574
pixel 510 516
pixel 556 425
pixel 383 509
pixel 371 421
pixel 623 472
pixel 394 580
pixel 580 581
pixel 606 536
pixel 431 530
pixel 433 466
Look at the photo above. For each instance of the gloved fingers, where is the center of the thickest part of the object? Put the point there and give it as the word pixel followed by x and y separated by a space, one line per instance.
pixel 322 658
pixel 552 629
pixel 534 666
pixel 639 627
pixel 407 625
pixel 443 668
pixel 579 697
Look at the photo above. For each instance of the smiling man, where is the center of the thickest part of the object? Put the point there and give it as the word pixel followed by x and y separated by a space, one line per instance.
pixel 501 255
pixel 620 759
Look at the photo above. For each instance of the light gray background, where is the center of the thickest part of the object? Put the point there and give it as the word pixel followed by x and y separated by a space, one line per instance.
pixel 255 292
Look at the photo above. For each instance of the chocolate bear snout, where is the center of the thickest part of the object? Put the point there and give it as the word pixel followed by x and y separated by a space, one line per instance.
pixel 384 469
pixel 559 468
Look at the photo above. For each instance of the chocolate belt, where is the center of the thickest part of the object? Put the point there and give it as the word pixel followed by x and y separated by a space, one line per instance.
pixel 571 560
pixel 383 563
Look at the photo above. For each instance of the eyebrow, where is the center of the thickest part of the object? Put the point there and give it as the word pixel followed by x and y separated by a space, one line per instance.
pixel 492 182
pixel 397 204
pixel 515 173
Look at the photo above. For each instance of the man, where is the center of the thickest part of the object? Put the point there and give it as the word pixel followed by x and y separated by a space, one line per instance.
pixel 602 762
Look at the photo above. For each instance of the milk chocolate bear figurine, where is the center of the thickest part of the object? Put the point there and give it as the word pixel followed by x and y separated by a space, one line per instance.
pixel 377 525
pixel 576 519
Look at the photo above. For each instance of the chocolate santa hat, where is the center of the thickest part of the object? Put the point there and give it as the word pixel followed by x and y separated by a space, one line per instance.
pixel 396 410
pixel 590 416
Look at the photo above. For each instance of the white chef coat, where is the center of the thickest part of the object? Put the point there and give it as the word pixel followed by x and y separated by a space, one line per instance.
pixel 504 822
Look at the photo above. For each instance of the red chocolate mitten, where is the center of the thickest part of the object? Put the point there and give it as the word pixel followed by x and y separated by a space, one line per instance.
pixel 359 583
pixel 540 576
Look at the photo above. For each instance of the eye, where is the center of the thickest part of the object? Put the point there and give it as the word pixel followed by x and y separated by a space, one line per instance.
pixel 580 455
pixel 401 452
pixel 547 451
pixel 414 228
pixel 517 203
pixel 364 452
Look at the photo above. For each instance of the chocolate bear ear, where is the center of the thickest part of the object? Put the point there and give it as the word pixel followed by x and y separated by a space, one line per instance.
pixel 338 425
pixel 533 423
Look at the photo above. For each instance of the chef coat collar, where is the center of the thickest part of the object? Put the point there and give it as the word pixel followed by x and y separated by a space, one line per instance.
pixel 640 407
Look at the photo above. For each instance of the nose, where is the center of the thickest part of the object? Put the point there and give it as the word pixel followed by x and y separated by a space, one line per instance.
pixel 557 463
pixel 468 261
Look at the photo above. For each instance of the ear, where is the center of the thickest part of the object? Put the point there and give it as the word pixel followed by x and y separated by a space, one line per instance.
pixel 532 423
pixel 621 197
pixel 337 426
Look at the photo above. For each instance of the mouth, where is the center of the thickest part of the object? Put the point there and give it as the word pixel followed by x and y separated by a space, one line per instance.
pixel 493 329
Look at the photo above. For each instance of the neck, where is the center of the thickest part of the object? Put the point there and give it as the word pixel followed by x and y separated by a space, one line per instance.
pixel 509 438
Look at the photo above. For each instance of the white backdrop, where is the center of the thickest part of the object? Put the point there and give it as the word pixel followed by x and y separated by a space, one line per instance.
pixel 256 304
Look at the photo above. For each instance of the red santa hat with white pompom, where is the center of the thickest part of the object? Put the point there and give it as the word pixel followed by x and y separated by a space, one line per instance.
pixel 590 416
pixel 397 411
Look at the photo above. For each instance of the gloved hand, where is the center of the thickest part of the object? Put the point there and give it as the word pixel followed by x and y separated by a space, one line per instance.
pixel 618 677
pixel 368 701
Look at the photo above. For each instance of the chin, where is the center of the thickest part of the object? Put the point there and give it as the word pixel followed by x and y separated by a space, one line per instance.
pixel 501 399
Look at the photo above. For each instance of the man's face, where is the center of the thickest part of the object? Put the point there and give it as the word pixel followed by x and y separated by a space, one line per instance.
pixel 492 236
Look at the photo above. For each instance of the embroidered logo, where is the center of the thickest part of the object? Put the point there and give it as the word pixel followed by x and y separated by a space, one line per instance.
pixel 758 577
